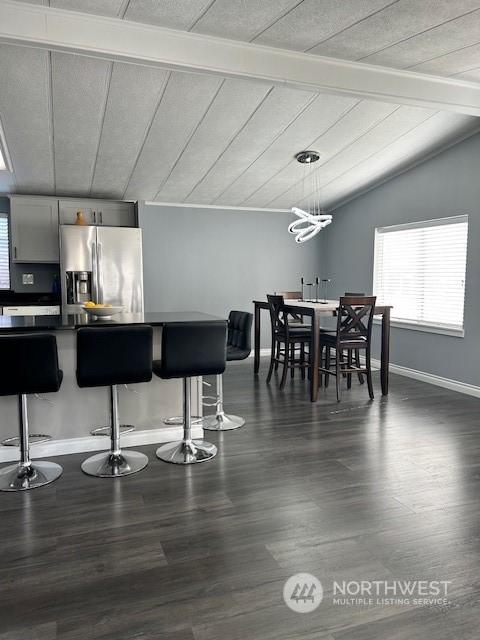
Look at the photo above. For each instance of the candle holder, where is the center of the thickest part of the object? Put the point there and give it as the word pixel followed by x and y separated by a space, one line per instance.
pixel 325 283
pixel 304 284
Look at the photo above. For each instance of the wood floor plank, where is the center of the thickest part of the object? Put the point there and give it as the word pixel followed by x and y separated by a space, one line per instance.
pixel 361 490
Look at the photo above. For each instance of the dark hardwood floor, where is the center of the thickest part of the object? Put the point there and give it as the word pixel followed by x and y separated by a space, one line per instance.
pixel 388 489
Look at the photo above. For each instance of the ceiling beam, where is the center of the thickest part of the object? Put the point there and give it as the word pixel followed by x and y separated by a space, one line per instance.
pixel 115 39
pixel 215 207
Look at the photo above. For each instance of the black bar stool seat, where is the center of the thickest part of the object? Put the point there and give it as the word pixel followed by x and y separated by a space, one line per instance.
pixel 190 349
pixel 108 356
pixel 29 365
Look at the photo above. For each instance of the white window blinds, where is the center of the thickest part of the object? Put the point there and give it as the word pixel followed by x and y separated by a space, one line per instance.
pixel 4 253
pixel 420 270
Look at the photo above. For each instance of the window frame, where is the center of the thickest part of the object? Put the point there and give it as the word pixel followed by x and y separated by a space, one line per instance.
pixel 4 154
pixel 428 327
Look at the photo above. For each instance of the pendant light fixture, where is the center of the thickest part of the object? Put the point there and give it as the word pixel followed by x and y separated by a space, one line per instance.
pixel 311 218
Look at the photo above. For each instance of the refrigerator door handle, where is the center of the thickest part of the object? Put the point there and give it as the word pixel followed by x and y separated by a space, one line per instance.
pixel 94 273
pixel 99 273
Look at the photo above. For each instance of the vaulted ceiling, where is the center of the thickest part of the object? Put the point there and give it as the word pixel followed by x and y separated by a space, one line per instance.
pixel 77 125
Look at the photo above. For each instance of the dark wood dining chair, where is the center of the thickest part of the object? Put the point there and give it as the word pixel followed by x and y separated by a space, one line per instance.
pixel 355 294
pixel 293 318
pixel 287 338
pixel 356 355
pixel 354 332
pixel 296 319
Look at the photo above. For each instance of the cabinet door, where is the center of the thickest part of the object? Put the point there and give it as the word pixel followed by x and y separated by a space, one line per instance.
pixel 67 211
pixel 34 229
pixel 116 214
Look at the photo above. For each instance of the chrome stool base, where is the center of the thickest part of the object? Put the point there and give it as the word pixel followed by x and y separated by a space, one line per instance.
pixel 222 422
pixel 106 431
pixel 18 477
pixel 187 452
pixel 114 465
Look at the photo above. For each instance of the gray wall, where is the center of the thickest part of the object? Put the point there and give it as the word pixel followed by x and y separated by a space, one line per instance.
pixel 43 273
pixel 217 260
pixel 446 185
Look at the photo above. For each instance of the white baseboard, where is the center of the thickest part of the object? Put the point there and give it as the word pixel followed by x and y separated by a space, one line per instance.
pixel 263 352
pixel 98 443
pixel 430 378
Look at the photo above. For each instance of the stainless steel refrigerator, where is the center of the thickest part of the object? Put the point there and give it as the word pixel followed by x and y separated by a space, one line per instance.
pixel 103 264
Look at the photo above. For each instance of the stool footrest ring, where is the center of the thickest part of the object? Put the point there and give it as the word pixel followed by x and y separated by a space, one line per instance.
pixel 33 438
pixel 178 420
pixel 106 431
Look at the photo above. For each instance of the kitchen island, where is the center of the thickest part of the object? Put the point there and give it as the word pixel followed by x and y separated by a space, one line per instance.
pixel 69 415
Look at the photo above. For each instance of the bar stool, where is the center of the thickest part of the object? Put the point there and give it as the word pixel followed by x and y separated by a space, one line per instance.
pixel 238 348
pixel 30 365
pixel 190 349
pixel 108 356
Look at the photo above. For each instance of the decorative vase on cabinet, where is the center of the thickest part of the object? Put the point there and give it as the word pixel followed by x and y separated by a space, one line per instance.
pixel 80 218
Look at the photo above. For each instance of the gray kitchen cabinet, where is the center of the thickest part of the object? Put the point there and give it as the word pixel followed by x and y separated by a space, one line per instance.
pixel 116 214
pixel 34 229
pixel 105 213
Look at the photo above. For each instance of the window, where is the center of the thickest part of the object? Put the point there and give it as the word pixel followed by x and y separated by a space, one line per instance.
pixel 4 253
pixel 420 270
pixel 3 164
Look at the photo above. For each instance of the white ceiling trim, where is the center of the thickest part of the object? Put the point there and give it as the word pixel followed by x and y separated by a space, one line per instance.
pixel 115 39
pixel 188 205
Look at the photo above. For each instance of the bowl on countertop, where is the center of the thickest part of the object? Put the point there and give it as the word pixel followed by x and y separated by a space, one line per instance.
pixel 102 312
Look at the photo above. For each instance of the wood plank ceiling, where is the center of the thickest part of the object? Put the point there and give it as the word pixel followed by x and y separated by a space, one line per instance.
pixel 76 125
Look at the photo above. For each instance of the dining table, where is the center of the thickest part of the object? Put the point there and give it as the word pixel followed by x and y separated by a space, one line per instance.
pixel 316 310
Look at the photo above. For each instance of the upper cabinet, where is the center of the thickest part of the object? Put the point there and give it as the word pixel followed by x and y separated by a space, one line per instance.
pixel 34 229
pixel 34 222
pixel 98 212
pixel 68 209
pixel 117 214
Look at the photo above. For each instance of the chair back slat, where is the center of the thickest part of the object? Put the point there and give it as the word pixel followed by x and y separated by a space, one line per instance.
pixel 290 295
pixel 278 315
pixel 355 318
